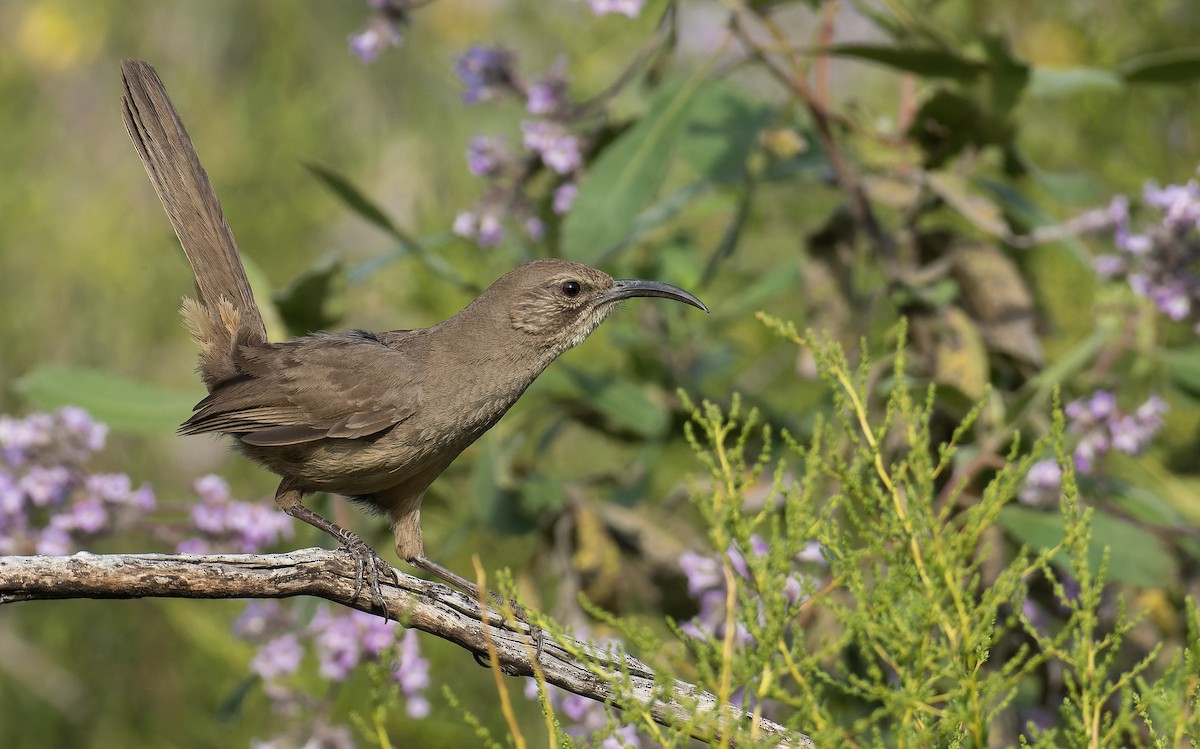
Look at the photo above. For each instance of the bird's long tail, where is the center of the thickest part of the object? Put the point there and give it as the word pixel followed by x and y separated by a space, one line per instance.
pixel 226 315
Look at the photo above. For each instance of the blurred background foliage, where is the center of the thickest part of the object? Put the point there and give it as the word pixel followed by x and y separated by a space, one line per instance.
pixel 1024 114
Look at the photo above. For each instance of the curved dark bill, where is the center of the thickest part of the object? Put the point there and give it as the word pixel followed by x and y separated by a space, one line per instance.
pixel 627 288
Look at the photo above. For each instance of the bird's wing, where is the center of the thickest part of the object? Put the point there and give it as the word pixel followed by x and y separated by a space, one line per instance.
pixel 344 386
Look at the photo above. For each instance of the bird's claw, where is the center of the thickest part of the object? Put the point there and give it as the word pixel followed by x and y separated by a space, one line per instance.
pixel 367 568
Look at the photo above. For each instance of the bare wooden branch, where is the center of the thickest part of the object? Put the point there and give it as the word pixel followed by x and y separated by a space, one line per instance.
pixel 427 606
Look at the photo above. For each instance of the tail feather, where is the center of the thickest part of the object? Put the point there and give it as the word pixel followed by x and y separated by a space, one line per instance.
pixel 226 314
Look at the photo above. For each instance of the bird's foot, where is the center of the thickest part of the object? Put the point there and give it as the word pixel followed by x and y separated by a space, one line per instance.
pixel 367 563
pixel 368 568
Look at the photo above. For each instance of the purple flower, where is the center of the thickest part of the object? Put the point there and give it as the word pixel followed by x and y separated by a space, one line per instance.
pixel 813 551
pixel 564 196
pixel 624 737
pixel 44 486
pixel 338 648
pixel 375 633
pixel 88 516
pixel 548 95
pixel 377 37
pixel 1101 427
pixel 53 542
pixel 486 73
pixel 558 149
pixel 1107 266
pixel 91 434
pixel 277 658
pixel 465 224
pixel 411 673
pixel 1043 483
pixel 487 156
pixel 630 8
pixel 142 499
pixel 534 228
pixel 209 517
pixel 257 619
pixel 490 230
pixel 212 488
pixel 192 546
pixel 703 573
pixel 792 590
pixel 112 487
pixel 383 30
pixel 12 499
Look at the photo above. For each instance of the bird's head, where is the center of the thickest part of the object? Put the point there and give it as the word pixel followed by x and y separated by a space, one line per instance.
pixel 560 302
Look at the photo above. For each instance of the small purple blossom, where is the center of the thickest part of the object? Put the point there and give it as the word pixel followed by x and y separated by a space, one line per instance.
pixel 383 29
pixel 706 584
pixel 548 95
pixel 1043 483
pixel 277 658
pixel 491 231
pixel 343 641
pixel 624 737
pixel 228 523
pixel 487 156
pixel 558 149
pixel 466 224
pixel 564 197
pixel 535 229
pixel 1161 261
pixel 583 717
pixel 49 500
pixel 628 8
pixel 1101 427
pixel 487 73
pixel 411 672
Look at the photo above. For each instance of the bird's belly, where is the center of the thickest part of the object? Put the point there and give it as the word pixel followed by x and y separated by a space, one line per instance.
pixel 363 466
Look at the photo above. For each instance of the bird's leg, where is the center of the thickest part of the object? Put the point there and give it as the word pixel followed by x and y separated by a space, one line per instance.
pixel 367 562
pixel 406 527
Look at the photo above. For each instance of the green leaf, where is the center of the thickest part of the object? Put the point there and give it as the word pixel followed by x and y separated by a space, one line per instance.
pixel 315 300
pixel 782 279
pixel 1135 555
pixel 731 235
pixel 121 403
pixel 1050 83
pixel 626 404
pixel 722 131
pixel 540 493
pixel 924 61
pixel 1007 76
pixel 354 198
pixel 1169 66
pixel 1183 365
pixel 626 176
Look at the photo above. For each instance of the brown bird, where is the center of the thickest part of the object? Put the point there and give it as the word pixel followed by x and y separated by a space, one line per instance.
pixel 374 416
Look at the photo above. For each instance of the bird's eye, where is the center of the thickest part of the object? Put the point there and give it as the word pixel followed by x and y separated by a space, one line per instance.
pixel 571 289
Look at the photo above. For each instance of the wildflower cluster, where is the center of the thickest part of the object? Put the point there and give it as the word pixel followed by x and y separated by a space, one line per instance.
pixel 50 503
pixel 489 74
pixel 1162 261
pixel 1099 426
pixel 226 524
pixel 706 584
pixel 340 640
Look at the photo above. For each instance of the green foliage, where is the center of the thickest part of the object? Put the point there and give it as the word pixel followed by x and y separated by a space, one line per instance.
pixel 921 627
pixel 119 402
